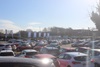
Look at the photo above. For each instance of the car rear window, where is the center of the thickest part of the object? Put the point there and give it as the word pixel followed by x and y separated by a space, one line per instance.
pixel 7 54
pixel 70 50
pixel 31 53
pixel 80 58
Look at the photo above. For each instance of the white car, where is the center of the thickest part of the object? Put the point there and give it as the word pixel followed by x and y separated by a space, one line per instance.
pixel 73 59
pixel 5 53
pixel 27 53
pixel 50 49
pixel 5 46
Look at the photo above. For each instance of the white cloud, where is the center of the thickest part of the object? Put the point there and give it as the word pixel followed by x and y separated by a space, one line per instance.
pixel 9 25
pixel 6 24
pixel 34 28
pixel 34 23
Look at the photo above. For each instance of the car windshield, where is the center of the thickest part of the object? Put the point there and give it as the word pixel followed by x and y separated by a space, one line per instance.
pixel 31 53
pixel 40 44
pixel 79 42
pixel 6 54
pixel 24 44
pixel 52 45
pixel 80 58
pixel 71 50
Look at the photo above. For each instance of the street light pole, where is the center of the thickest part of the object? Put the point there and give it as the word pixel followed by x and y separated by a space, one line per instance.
pixel 93 38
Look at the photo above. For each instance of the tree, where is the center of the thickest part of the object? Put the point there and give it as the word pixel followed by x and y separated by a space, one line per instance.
pixel 95 17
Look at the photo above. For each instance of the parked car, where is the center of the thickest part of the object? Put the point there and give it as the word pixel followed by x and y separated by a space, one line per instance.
pixel 54 42
pixel 97 46
pixel 24 62
pixel 64 42
pixel 90 44
pixel 18 42
pixel 83 44
pixel 63 50
pixel 12 46
pixel 28 53
pixel 76 44
pixel 9 53
pixel 5 46
pixel 96 61
pixel 72 59
pixel 23 46
pixel 50 49
pixel 83 49
pixel 38 46
pixel 94 53
pixel 12 41
pixel 49 56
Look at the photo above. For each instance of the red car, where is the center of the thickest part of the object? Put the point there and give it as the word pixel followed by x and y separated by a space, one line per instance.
pixel 73 59
pixel 55 60
pixel 38 46
pixel 24 46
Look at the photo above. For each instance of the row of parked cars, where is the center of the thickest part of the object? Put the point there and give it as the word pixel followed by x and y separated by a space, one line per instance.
pixel 89 43
pixel 54 54
pixel 66 59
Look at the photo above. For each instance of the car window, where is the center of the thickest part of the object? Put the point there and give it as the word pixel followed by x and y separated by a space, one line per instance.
pixel 6 54
pixel 68 57
pixel 61 56
pixel 80 58
pixel 96 53
pixel 31 53
pixel 71 50
pixel 61 50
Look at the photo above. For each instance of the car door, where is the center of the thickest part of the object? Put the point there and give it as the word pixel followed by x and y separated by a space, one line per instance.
pixel 67 59
pixel 61 59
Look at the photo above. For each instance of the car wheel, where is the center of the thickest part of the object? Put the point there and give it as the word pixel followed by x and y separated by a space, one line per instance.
pixel 96 65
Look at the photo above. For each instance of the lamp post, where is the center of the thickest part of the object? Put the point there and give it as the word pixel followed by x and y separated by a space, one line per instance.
pixel 94 30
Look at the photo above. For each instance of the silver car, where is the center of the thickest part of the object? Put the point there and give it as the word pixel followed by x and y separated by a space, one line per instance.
pixel 24 62
pixel 5 46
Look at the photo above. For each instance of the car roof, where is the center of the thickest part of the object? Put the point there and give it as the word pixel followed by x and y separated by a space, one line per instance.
pixel 18 60
pixel 45 56
pixel 29 50
pixel 4 43
pixel 96 50
pixel 85 47
pixel 74 54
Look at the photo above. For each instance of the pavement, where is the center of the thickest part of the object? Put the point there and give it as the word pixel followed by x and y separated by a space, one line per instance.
pixel 66 45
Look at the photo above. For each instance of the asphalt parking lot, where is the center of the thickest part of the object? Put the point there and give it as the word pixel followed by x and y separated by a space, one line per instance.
pixel 66 45
pixel 62 46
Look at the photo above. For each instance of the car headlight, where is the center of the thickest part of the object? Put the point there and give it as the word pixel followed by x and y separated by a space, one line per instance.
pixel 46 60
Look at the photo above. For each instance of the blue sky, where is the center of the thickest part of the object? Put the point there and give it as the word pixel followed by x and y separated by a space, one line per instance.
pixel 36 14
